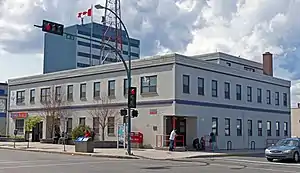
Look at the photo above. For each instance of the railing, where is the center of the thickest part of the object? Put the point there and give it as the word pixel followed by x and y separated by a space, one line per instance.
pixel 163 141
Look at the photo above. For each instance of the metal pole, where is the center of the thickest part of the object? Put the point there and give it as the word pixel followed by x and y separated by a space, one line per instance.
pixel 128 75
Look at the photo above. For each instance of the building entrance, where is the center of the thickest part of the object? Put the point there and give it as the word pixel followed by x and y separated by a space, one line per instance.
pixel 37 132
pixel 178 123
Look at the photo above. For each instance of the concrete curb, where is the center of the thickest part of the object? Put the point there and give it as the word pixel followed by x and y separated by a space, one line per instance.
pixel 72 153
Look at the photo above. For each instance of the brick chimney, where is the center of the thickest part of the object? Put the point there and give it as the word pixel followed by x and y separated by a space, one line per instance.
pixel 268 63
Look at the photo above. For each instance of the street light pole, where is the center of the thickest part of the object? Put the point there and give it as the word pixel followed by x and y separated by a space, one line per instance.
pixel 98 6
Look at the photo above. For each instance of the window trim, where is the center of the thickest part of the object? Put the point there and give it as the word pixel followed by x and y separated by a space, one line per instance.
pixel 82 94
pixel 186 88
pixel 201 89
pixel 214 89
pixel 96 94
pixel 21 99
pixel 111 91
pixel 149 84
pixel 238 91
pixel 32 96
pixel 227 93
pixel 259 95
pixel 249 94
pixel 70 95
pixel 47 95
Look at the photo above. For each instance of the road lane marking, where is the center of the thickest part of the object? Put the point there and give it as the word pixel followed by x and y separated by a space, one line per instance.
pixel 261 162
pixel 37 161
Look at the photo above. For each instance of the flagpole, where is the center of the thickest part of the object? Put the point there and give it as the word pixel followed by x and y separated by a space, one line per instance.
pixel 91 56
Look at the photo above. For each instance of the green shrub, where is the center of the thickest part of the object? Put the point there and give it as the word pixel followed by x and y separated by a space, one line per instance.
pixel 79 131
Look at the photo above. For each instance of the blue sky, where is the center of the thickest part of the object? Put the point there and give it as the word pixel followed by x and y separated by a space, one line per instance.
pixel 245 28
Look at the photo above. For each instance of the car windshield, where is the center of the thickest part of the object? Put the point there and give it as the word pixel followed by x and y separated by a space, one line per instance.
pixel 287 142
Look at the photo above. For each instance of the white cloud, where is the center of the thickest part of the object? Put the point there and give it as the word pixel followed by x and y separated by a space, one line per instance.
pixel 240 27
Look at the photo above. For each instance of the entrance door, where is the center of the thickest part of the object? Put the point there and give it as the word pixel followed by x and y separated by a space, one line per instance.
pixel 37 131
pixel 181 130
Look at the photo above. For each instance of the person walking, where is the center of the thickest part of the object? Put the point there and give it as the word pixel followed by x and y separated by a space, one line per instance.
pixel 172 139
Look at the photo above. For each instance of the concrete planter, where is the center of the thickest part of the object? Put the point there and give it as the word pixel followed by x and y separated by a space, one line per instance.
pixel 84 146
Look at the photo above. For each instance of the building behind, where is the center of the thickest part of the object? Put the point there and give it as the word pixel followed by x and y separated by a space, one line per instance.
pixel 68 52
pixel 295 120
pixel 3 107
pixel 237 99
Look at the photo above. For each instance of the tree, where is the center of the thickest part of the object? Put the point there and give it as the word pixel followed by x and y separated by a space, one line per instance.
pixel 31 122
pixel 55 104
pixel 101 113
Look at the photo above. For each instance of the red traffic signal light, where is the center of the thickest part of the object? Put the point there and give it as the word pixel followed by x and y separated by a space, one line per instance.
pixel 132 97
pixel 132 91
pixel 52 27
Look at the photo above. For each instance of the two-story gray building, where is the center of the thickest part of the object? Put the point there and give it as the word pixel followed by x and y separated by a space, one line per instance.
pixel 3 107
pixel 237 99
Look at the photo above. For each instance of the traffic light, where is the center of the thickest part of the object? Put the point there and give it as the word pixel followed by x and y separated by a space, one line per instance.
pixel 132 97
pixel 123 112
pixel 54 28
pixel 135 113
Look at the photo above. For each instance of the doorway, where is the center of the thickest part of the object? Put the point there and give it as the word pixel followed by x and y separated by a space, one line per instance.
pixel 179 123
pixel 37 132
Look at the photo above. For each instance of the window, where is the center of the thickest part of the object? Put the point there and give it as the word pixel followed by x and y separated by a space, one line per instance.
pixel 70 93
pixel 149 84
pixel 239 127
pixel 125 87
pixel 249 127
pixel 83 91
pixel 19 125
pixel 200 86
pixel 45 95
pixel 96 125
pixel 82 121
pixel 227 90
pixel 32 96
pixel 238 92
pixel 277 98
pixel 284 99
pixel 215 125
pixel 186 84
pixel 111 88
pixel 259 128
pixel 96 89
pixel 69 125
pixel 227 127
pixel 285 129
pixel 259 98
pixel 20 97
pixel 111 126
pixel 214 88
pixel 277 128
pixel 269 128
pixel 58 93
pixel 268 97
pixel 249 94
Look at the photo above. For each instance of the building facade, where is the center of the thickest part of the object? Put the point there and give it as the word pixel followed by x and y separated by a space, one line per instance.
pixel 196 95
pixel 3 107
pixel 69 52
pixel 295 120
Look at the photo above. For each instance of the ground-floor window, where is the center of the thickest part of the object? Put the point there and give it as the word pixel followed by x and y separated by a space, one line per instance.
pixel 285 129
pixel 96 125
pixel 19 125
pixel 269 128
pixel 259 128
pixel 277 128
pixel 249 127
pixel 69 125
pixel 227 127
pixel 111 126
pixel 82 121
pixel 215 125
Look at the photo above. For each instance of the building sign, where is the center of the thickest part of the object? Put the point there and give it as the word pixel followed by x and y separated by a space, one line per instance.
pixel 19 115
pixel 2 92
pixel 153 111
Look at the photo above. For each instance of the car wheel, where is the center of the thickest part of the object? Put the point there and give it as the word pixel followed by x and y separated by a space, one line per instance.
pixel 270 160
pixel 296 157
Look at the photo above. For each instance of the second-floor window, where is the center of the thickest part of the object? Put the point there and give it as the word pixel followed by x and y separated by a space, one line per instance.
pixel 227 90
pixel 239 127
pixel 276 98
pixel 268 97
pixel 58 93
pixel 83 91
pixel 149 84
pixel 259 98
pixel 186 84
pixel 227 127
pixel 214 88
pixel 20 97
pixel 111 88
pixel 125 87
pixel 32 96
pixel 284 99
pixel 269 128
pixel 96 90
pixel 249 94
pixel 200 86
pixel 70 93
pixel 238 92
pixel 45 95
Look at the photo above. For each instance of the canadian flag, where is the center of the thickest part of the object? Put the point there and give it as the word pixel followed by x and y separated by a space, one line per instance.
pixel 85 13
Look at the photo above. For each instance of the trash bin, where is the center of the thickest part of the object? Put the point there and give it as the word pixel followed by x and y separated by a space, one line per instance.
pixel 84 145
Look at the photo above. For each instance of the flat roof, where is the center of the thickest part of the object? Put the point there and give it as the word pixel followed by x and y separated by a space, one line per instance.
pixel 158 60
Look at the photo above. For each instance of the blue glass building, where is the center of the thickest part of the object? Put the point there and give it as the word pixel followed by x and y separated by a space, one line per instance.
pixel 68 52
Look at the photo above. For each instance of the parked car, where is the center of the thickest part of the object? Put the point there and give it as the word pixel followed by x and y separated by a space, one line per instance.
pixel 284 149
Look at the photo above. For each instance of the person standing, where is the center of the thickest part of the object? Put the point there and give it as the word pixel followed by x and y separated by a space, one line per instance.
pixel 172 139
pixel 213 141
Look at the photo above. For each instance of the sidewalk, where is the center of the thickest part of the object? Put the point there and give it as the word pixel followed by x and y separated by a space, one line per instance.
pixel 121 153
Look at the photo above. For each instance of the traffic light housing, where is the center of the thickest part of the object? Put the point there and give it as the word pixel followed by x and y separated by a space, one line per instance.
pixel 123 112
pixel 132 97
pixel 135 113
pixel 52 27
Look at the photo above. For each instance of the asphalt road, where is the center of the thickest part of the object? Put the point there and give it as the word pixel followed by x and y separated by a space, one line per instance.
pixel 30 162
